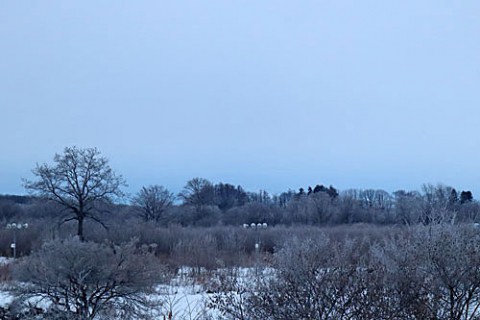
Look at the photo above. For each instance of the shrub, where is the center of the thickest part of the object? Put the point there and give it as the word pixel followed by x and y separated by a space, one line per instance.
pixel 87 280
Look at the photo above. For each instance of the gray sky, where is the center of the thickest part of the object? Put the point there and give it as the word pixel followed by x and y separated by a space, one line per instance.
pixel 266 94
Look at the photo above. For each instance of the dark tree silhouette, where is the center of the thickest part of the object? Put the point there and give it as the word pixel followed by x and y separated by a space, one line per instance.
pixel 198 192
pixel 153 201
pixel 227 196
pixel 466 196
pixel 78 180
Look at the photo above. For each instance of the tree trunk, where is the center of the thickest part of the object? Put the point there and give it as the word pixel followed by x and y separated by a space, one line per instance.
pixel 80 229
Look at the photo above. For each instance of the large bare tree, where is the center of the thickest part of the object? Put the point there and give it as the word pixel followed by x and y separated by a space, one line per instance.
pixel 78 181
pixel 153 201
pixel 198 192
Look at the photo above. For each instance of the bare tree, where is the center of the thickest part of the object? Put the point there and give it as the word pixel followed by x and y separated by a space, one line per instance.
pixel 408 207
pixel 78 180
pixel 87 280
pixel 453 267
pixel 435 207
pixel 315 279
pixel 311 279
pixel 153 201
pixel 198 192
pixel 322 206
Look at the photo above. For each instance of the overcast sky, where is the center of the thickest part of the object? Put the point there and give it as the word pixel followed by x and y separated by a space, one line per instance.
pixel 267 94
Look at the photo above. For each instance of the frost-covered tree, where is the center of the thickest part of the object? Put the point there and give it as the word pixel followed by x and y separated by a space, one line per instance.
pixel 78 180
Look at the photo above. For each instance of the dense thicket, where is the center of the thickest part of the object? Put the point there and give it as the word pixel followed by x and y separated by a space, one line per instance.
pixel 423 272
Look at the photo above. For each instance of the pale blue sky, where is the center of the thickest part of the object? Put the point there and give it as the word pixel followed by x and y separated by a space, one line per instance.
pixel 266 94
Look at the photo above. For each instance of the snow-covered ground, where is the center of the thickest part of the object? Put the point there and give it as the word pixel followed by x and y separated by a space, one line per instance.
pixel 4 261
pixel 186 297
pixel 5 298
pixel 179 302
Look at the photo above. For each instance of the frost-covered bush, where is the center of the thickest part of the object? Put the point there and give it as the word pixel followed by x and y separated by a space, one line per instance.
pixel 424 272
pixel 88 280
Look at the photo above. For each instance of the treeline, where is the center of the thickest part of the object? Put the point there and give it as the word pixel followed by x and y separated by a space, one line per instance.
pixel 203 203
pixel 206 204
pixel 225 204
pixel 81 184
